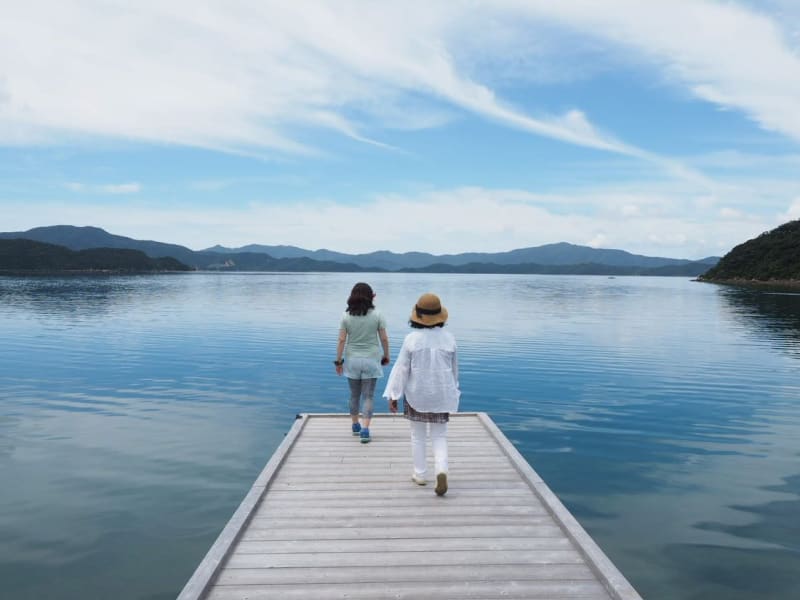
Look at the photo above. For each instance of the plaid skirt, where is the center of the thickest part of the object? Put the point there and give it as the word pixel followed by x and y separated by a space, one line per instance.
pixel 423 417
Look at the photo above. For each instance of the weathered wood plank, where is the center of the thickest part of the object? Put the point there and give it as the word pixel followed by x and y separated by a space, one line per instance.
pixel 355 574
pixel 412 590
pixel 392 470
pixel 424 559
pixel 491 495
pixel 398 520
pixel 534 528
pixel 332 504
pixel 376 544
pixel 354 477
pixel 341 464
pixel 431 509
pixel 394 485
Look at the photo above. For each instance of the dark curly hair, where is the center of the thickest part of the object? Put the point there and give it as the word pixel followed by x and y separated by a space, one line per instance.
pixel 360 301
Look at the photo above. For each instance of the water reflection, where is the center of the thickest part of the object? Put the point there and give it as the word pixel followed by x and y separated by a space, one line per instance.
pixel 771 316
pixel 137 411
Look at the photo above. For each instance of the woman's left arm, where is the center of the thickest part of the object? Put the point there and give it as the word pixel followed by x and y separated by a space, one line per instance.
pixel 455 365
pixel 384 337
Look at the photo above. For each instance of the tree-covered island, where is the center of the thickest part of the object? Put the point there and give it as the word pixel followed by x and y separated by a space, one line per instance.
pixel 23 257
pixel 772 258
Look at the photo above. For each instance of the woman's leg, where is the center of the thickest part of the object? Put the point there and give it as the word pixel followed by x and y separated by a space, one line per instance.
pixel 368 396
pixel 355 398
pixel 439 444
pixel 419 433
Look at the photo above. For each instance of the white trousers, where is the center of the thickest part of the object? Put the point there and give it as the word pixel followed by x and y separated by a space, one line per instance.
pixel 419 436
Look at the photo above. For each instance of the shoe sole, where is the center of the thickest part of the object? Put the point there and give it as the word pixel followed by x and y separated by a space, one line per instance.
pixel 419 481
pixel 441 484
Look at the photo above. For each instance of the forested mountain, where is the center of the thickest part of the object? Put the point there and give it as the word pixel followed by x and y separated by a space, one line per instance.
pixel 29 256
pixel 685 270
pixel 772 256
pixel 82 238
pixel 560 254
pixel 561 258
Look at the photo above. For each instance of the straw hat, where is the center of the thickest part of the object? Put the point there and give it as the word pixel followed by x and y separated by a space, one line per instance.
pixel 429 311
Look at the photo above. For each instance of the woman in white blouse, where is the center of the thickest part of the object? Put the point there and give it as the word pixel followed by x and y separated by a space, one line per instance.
pixel 426 375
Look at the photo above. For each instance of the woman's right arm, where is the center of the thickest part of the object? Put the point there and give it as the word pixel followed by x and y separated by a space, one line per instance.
pixel 340 351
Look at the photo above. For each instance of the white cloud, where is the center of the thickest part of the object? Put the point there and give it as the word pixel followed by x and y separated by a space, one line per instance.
pixel 598 241
pixel 668 221
pixel 630 210
pixel 793 212
pixel 110 188
pixel 739 161
pixel 730 213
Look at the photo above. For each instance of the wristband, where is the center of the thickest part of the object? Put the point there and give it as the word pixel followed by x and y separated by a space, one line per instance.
pixel 339 362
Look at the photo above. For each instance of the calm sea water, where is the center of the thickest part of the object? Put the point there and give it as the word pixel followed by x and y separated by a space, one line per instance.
pixel 135 412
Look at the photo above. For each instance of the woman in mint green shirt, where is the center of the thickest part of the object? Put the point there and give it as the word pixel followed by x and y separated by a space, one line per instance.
pixel 362 335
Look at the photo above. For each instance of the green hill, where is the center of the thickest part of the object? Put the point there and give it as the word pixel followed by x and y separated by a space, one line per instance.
pixel 28 256
pixel 773 256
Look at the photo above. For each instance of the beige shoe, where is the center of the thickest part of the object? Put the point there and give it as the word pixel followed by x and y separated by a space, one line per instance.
pixel 441 484
pixel 418 480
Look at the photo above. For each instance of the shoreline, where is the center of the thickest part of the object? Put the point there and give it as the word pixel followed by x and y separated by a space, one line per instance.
pixel 65 273
pixel 772 284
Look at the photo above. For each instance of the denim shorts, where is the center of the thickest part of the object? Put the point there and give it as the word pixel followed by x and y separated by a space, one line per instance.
pixel 362 368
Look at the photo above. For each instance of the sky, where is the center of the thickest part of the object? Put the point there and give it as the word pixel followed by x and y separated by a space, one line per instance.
pixel 661 127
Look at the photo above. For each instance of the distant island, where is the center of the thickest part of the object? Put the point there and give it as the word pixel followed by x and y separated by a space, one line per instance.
pixel 557 259
pixel 772 258
pixel 21 256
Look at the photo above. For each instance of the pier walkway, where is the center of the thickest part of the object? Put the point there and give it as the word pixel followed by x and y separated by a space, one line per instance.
pixel 331 518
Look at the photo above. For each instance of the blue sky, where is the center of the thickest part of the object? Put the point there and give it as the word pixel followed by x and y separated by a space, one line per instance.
pixel 668 128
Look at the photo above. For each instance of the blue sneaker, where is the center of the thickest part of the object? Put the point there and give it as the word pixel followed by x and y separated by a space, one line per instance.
pixel 356 428
pixel 365 435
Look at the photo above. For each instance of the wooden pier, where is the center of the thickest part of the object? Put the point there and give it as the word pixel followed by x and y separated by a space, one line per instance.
pixel 331 518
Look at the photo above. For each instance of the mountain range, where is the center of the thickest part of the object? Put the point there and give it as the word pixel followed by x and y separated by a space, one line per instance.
pixel 551 258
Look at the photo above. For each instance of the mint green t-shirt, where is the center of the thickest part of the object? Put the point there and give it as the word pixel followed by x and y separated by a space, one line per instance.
pixel 362 334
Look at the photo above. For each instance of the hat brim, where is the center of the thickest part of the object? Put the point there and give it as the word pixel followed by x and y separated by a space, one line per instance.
pixel 429 320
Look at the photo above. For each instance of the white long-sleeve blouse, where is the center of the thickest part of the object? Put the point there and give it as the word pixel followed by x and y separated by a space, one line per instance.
pixel 426 372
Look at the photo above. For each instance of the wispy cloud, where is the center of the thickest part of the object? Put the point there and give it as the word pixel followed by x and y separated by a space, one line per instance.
pixel 244 76
pixel 238 75
pixel 254 77
pixel 109 188
pixel 724 53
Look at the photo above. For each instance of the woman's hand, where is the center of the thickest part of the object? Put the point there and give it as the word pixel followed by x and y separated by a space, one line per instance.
pixel 393 405
pixel 339 369
pixel 385 360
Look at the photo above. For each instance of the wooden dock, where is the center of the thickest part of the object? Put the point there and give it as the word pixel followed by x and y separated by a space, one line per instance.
pixel 331 518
